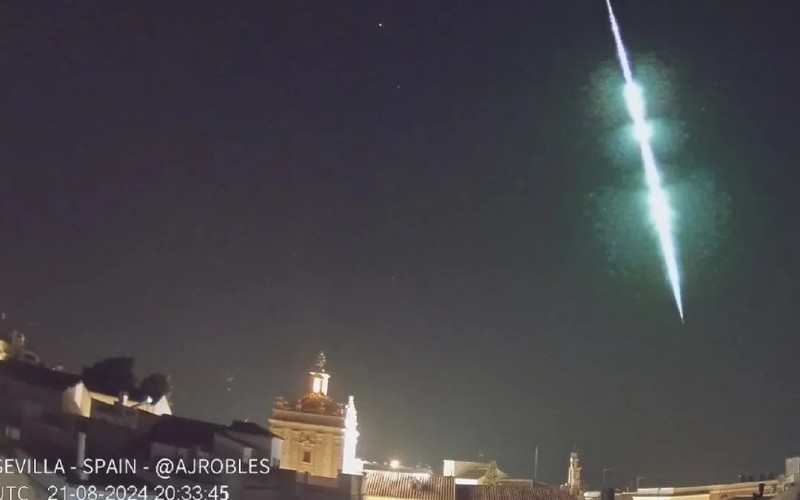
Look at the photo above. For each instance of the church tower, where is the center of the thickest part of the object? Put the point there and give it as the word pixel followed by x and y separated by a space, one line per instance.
pixel 574 484
pixel 319 434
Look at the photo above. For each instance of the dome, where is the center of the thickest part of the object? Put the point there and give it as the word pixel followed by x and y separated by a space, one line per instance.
pixel 319 403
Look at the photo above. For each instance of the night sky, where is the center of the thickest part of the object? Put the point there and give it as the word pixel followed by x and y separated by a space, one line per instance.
pixel 221 189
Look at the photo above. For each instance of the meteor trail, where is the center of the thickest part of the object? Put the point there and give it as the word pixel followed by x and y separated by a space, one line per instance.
pixel 660 211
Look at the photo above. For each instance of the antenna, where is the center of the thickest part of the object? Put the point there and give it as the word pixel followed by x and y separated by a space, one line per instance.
pixel 536 465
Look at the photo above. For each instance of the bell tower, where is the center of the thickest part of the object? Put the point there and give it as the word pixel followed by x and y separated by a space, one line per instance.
pixel 320 435
pixel 318 381
pixel 574 484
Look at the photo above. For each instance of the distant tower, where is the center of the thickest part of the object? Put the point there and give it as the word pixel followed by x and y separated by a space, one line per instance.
pixel 574 485
pixel 319 434
pixel 351 464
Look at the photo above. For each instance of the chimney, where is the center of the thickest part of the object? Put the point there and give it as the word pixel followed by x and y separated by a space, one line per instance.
pixel 81 456
pixel 123 398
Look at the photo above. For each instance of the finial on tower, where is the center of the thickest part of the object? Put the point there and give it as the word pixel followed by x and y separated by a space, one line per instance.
pixel 321 362
pixel 574 482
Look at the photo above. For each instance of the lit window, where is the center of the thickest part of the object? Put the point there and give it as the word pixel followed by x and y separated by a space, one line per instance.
pixel 307 457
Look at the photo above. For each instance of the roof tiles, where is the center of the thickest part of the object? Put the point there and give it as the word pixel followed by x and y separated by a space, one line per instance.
pixel 470 492
pixel 409 486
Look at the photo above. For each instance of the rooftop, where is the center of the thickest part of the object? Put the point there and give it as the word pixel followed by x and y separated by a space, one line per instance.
pixel 134 394
pixel 250 428
pixel 407 486
pixel 185 432
pixel 688 490
pixel 38 375
pixel 472 492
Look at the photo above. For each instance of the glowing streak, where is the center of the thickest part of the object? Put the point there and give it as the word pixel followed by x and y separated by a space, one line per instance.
pixel 660 211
